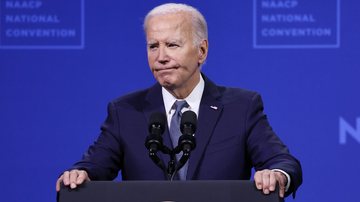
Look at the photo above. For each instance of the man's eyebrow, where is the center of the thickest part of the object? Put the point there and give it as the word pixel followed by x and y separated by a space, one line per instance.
pixel 179 41
pixel 151 42
pixel 169 41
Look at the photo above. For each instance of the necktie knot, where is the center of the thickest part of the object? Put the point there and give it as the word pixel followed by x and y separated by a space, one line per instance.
pixel 179 105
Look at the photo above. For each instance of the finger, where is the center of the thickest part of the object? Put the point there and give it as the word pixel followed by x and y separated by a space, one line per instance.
pixel 282 183
pixel 82 177
pixel 272 182
pixel 282 191
pixel 266 181
pixel 258 179
pixel 66 178
pixel 73 176
pixel 58 183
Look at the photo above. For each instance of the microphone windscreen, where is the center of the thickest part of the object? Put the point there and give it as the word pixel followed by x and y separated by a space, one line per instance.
pixel 157 120
pixel 188 118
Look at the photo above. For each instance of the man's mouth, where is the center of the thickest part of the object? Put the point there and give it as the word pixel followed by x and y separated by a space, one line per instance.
pixel 165 69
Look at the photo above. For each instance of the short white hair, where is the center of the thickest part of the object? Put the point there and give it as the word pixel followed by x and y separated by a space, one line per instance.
pixel 200 31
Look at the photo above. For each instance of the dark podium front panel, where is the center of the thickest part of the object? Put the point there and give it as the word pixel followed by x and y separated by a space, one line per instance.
pixel 165 191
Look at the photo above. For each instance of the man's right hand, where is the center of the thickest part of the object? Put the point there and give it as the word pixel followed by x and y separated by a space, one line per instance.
pixel 72 178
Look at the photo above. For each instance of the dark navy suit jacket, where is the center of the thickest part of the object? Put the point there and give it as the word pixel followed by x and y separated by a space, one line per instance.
pixel 233 135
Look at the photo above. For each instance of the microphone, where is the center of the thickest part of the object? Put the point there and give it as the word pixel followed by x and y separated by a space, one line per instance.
pixel 154 141
pixel 188 127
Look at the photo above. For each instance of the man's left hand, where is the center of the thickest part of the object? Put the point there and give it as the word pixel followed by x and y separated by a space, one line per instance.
pixel 266 180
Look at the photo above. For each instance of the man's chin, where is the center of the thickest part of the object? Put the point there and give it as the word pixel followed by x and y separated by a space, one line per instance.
pixel 167 84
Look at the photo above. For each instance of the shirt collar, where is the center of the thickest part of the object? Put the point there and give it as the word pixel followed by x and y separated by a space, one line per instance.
pixel 193 99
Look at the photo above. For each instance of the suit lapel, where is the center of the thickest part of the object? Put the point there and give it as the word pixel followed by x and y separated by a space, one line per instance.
pixel 209 113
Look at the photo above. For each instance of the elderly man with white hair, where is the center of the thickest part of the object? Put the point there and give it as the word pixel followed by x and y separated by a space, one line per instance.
pixel 233 134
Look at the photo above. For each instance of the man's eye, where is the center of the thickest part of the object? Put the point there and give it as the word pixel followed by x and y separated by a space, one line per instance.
pixel 153 46
pixel 172 45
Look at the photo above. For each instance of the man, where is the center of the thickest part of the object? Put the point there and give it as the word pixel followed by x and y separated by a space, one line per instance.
pixel 233 134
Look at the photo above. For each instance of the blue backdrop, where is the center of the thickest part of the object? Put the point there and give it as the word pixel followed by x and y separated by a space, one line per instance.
pixel 61 62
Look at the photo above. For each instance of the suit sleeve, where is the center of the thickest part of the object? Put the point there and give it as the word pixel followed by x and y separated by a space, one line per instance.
pixel 266 149
pixel 103 159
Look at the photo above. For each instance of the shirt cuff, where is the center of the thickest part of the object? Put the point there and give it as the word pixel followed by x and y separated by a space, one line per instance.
pixel 287 176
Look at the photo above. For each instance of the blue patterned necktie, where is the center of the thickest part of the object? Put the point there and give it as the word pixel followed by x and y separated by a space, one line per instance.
pixel 175 133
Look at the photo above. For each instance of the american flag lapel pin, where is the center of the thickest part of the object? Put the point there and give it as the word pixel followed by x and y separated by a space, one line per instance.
pixel 214 107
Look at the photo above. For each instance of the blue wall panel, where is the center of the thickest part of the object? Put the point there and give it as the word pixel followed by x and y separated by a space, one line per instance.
pixel 54 90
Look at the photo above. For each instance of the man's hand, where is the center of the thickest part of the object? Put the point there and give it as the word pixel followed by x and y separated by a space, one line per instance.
pixel 72 178
pixel 267 179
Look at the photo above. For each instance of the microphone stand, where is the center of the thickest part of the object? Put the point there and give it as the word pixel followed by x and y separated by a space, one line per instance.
pixel 186 143
pixel 171 164
pixel 184 158
pixel 172 167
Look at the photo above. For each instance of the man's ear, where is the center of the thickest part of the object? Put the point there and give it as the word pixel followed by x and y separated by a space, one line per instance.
pixel 203 51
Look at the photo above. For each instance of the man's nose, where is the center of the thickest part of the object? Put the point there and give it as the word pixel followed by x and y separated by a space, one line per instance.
pixel 163 57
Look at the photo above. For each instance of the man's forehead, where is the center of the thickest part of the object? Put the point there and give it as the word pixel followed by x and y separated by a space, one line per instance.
pixel 169 28
pixel 168 21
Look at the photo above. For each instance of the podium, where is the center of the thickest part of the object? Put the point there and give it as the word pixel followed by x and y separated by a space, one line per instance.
pixel 166 191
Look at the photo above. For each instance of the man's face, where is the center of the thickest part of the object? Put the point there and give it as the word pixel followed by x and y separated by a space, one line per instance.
pixel 173 57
